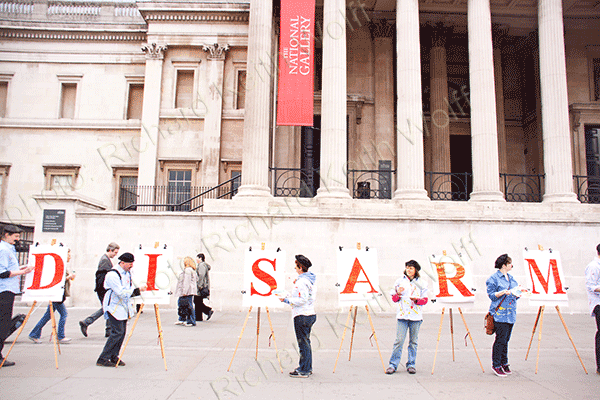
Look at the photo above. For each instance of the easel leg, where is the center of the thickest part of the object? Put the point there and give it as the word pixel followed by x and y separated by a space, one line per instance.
pixel 160 334
pixel 240 338
pixel 19 332
pixel 451 332
pixel 352 335
pixel 257 332
pixel 537 319
pixel 470 337
pixel 273 336
pixel 375 336
pixel 54 335
pixel 130 333
pixel 539 338
pixel 438 340
pixel 343 335
pixel 570 338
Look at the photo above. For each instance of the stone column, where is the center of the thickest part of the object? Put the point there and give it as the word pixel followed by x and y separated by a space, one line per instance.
pixel 384 148
pixel 555 108
pixel 334 139
pixel 440 120
pixel 150 117
pixel 211 144
pixel 409 137
pixel 484 137
pixel 257 117
pixel 499 33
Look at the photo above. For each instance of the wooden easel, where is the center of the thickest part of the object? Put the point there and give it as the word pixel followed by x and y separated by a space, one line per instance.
pixel 373 334
pixel 452 335
pixel 158 327
pixel 19 333
pixel 257 332
pixel 540 319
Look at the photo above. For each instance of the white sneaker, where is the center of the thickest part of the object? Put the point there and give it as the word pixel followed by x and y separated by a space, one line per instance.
pixel 64 340
pixel 188 324
pixel 179 323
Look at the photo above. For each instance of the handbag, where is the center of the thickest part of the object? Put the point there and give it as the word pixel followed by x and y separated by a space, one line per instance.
pixel 488 320
pixel 204 292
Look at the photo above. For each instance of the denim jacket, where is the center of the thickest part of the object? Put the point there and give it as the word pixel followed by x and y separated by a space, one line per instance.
pixel 507 312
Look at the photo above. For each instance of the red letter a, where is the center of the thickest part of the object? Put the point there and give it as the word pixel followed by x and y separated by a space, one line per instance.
pixel 353 278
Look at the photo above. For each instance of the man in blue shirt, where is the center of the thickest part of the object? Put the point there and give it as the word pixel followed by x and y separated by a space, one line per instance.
pixel 118 308
pixel 9 282
pixel 592 285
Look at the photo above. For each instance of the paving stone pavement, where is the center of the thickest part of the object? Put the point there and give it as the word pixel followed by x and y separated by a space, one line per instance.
pixel 197 360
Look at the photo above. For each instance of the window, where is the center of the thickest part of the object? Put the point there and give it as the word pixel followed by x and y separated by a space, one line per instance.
pixel 126 187
pixel 179 188
pixel 596 66
pixel 184 89
pixel 240 101
pixel 61 179
pixel 3 98
pixel 68 96
pixel 235 184
pixel 135 100
pixel 4 170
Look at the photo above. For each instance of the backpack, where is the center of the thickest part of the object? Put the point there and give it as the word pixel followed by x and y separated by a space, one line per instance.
pixel 100 275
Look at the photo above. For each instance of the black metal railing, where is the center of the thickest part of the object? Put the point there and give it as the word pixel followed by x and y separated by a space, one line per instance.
pixel 371 183
pixel 455 186
pixel 523 188
pixel 175 198
pixel 588 188
pixel 295 182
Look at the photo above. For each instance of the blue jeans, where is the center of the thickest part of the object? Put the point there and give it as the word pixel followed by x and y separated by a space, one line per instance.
pixel 302 325
pixel 500 347
pixel 187 302
pixel 413 331
pixel 36 333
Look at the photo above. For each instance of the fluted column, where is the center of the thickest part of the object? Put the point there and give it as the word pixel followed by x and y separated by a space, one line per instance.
pixel 555 108
pixel 409 136
pixel 211 143
pixel 484 137
pixel 255 151
pixel 333 103
pixel 440 120
pixel 499 34
pixel 148 154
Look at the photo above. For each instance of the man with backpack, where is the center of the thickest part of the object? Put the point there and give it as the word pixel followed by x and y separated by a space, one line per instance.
pixel 104 265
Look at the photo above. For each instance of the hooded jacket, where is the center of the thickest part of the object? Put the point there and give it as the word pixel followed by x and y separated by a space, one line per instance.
pixel 302 298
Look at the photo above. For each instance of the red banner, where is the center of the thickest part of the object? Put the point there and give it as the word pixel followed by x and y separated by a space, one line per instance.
pixel 296 63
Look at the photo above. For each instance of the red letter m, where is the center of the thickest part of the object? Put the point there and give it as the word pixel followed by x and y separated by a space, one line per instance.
pixel 533 266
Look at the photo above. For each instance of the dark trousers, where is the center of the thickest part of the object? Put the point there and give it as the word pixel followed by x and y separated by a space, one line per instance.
pixel 597 314
pixel 200 307
pixel 115 340
pixel 7 299
pixel 500 347
pixel 302 325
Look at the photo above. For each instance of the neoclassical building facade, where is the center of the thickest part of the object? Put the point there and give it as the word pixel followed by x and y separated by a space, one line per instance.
pixel 469 126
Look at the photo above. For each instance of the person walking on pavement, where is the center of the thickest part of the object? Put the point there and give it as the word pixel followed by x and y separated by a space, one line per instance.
pixel 10 277
pixel 592 285
pixel 104 265
pixel 203 289
pixel 118 308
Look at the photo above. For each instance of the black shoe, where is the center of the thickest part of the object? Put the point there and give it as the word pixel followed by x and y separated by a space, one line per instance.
pixel 107 334
pixel 105 363
pixel 390 371
pixel 296 374
pixel 83 327
pixel 121 363
pixel 210 314
pixel 7 363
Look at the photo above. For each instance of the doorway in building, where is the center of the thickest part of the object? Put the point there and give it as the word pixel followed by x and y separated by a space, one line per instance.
pixel 310 157
pixel 592 158
pixel 461 167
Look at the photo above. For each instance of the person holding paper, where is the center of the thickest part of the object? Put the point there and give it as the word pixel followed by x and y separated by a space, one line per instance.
pixel 592 285
pixel 410 293
pixel 118 308
pixel 9 282
pixel 504 309
pixel 302 300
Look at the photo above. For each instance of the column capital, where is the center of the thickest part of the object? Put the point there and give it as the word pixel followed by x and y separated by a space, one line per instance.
pixel 154 51
pixel 216 51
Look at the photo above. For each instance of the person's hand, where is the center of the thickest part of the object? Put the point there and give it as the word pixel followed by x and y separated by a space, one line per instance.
pixel 399 290
pixel 27 269
pixel 143 288
pixel 72 276
pixel 414 299
pixel 281 299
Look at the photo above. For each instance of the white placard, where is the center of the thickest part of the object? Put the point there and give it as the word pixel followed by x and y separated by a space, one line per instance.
pixel 153 267
pixel 358 276
pixel 545 278
pixel 47 281
pixel 263 277
pixel 454 283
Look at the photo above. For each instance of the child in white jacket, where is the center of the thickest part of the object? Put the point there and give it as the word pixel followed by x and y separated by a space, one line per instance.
pixel 185 291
